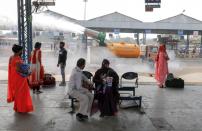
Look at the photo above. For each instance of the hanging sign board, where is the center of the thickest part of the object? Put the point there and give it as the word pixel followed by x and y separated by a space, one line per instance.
pixel 116 31
pixel 147 31
pixel 195 33
pixel 153 6
pixel 152 1
pixel 148 9
pixel 180 32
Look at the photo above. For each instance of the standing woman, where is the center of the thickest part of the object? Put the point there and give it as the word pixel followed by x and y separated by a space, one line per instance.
pixel 36 77
pixel 18 89
pixel 161 71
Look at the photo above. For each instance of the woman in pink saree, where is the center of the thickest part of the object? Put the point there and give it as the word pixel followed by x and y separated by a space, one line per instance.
pixel 161 63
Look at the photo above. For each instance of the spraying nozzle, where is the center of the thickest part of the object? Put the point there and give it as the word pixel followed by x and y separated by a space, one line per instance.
pixel 100 36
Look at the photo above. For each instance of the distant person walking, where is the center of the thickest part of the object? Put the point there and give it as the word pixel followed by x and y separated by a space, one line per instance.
pixel 18 89
pixel 36 78
pixel 62 62
pixel 161 70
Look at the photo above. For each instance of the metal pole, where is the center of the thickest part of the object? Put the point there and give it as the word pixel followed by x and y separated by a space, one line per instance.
pixel 21 38
pixel 19 21
pixel 201 46
pixel 187 46
pixel 144 38
pixel 25 27
pixel 85 36
pixel 29 27
pixel 138 41
pixel 85 4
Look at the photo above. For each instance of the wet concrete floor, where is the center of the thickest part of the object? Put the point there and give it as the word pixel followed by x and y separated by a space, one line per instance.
pixel 163 110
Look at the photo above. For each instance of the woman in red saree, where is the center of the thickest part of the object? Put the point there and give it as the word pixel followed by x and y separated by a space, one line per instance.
pixel 18 89
pixel 36 77
pixel 161 71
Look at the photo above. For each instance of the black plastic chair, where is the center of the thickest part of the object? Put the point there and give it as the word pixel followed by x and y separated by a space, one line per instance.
pixel 131 76
pixel 88 74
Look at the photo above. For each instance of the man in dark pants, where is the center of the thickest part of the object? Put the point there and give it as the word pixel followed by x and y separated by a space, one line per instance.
pixel 62 62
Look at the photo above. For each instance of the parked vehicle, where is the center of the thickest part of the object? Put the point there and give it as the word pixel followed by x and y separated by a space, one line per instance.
pixel 125 50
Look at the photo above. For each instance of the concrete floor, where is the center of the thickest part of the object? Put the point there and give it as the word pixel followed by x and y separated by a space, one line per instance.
pixel 165 110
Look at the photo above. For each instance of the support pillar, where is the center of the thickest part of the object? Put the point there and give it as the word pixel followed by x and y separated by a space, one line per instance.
pixel 85 40
pixel 25 27
pixel 201 46
pixel 187 46
pixel 144 38
pixel 138 39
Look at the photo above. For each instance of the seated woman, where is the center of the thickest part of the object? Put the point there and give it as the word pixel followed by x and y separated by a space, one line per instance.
pixel 106 83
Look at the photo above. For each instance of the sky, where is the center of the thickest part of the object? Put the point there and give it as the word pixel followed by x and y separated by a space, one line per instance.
pixel 132 8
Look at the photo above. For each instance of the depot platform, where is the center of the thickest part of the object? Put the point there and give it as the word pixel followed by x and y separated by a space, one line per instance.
pixel 162 110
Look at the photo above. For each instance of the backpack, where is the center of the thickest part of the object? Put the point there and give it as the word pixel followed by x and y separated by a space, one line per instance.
pixel 171 81
pixel 48 80
pixel 170 76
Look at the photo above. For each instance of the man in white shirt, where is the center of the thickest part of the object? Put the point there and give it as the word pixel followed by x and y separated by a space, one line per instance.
pixel 82 94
